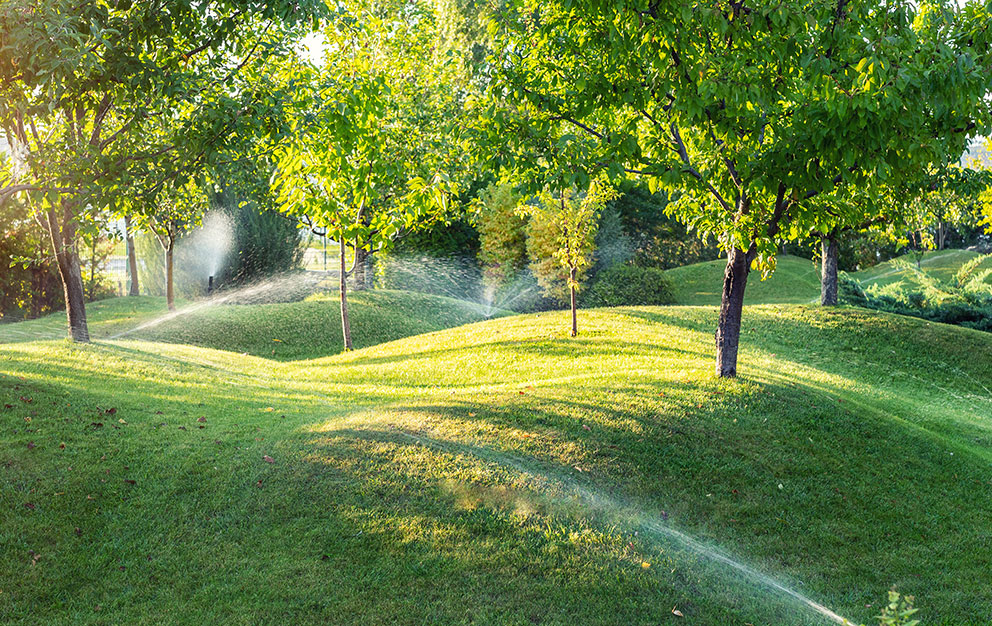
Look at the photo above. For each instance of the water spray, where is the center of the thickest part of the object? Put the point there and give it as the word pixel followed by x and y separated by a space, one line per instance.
pixel 646 522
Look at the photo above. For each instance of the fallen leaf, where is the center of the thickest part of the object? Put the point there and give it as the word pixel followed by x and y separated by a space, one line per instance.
pixel 268 409
pixel 30 445
pixel 201 419
pixel 259 484
pixel 8 406
pixel 29 505
pixel 130 482
pixel 586 427
pixel 78 531
pixel 111 411
pixel 677 612
pixel 268 459
pixel 182 428
pixel 645 564
pixel 121 421
pixel 62 446
pixel 27 400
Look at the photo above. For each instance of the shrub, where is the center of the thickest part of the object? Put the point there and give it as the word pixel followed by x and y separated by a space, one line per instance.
pixel 630 285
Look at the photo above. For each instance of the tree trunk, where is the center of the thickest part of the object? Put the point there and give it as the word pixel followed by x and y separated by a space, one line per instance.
pixel 170 294
pixel 132 259
pixel 728 332
pixel 67 259
pixel 575 325
pixel 343 282
pixel 828 275
pixel 361 261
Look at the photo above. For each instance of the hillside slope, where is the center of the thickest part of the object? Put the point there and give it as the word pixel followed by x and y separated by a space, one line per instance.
pixel 797 280
pixel 283 330
pixel 503 473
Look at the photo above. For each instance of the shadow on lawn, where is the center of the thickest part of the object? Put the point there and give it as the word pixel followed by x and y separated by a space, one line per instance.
pixel 718 478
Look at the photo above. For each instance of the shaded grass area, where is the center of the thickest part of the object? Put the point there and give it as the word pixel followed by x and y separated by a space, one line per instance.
pixel 281 331
pixel 503 473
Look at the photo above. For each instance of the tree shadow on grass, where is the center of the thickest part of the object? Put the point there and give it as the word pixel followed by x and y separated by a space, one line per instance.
pixel 851 519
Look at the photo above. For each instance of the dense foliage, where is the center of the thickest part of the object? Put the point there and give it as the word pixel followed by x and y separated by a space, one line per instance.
pixel 629 285
pixel 757 120
pixel 29 281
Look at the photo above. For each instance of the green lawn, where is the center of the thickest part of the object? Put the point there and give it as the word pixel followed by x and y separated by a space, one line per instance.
pixel 281 331
pixel 795 281
pixel 500 473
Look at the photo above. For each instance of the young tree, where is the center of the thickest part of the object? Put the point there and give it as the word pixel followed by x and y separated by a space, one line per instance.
pixel 371 149
pixel 81 83
pixel 748 111
pixel 561 239
pixel 133 288
pixel 175 213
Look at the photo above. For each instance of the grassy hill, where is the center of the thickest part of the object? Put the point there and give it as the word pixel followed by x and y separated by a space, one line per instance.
pixel 501 472
pixel 797 280
pixel 282 331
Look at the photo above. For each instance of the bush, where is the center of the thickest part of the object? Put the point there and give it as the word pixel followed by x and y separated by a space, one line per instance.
pixel 629 285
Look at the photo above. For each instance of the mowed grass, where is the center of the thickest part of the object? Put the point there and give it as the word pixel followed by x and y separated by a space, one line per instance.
pixel 280 331
pixel 502 473
pixel 795 281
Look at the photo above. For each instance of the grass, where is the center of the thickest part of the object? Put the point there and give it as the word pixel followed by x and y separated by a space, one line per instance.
pixel 501 472
pixel 280 331
pixel 797 280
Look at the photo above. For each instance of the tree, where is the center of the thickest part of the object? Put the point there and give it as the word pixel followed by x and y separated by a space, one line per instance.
pixel 745 113
pixel 174 214
pixel 372 146
pixel 102 101
pixel 133 288
pixel 561 239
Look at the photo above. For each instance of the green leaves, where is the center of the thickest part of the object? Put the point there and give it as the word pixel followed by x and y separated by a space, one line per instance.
pixel 767 109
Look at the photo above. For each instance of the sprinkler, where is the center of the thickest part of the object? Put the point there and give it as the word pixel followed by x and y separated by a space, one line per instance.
pixel 210 285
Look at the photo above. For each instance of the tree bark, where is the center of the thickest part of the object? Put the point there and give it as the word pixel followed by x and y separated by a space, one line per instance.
pixel 361 261
pixel 132 258
pixel 67 259
pixel 728 332
pixel 575 325
pixel 170 294
pixel 828 275
pixel 343 283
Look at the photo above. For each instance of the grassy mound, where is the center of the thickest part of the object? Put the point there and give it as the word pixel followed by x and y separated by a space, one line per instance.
pixel 503 473
pixel 282 331
pixel 795 281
